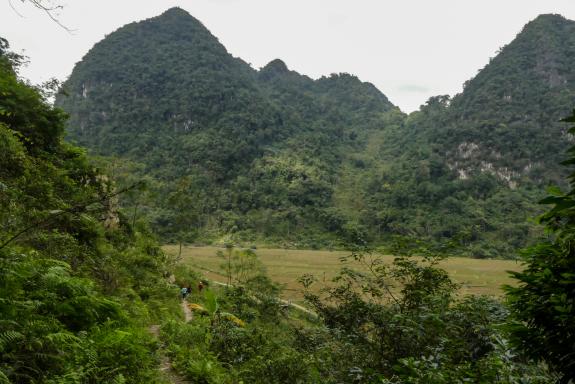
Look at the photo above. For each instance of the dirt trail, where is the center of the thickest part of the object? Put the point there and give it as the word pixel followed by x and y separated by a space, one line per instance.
pixel 188 315
pixel 166 368
pixel 283 301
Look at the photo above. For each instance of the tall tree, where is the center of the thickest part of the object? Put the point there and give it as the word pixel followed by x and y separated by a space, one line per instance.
pixel 185 199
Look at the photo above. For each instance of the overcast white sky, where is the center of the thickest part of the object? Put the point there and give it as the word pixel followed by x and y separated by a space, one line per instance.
pixel 410 49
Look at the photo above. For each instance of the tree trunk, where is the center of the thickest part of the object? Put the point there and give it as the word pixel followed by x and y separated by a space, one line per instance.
pixel 134 216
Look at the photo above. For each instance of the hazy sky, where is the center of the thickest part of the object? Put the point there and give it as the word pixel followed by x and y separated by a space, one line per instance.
pixel 410 49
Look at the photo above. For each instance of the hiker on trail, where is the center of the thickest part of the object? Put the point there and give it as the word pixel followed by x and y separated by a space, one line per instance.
pixel 200 286
pixel 184 293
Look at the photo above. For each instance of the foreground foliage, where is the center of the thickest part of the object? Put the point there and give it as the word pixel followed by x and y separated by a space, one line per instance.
pixel 544 301
pixel 77 283
pixel 402 323
pixel 399 323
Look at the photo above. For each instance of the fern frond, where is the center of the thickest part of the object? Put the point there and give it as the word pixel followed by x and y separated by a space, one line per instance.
pixel 41 356
pixel 3 378
pixel 9 337
pixel 63 339
pixel 43 325
pixel 8 323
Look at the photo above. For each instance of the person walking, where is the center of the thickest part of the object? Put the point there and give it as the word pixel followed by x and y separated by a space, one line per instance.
pixel 184 292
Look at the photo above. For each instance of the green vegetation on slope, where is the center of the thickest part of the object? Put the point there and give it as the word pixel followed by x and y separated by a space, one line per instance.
pixel 78 285
pixel 257 152
pixel 274 157
pixel 470 169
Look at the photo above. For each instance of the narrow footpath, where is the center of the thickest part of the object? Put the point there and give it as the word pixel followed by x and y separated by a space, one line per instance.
pixel 283 301
pixel 188 315
pixel 166 368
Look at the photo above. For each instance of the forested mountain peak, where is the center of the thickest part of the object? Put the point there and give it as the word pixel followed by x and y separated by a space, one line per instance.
pixel 173 37
pixel 505 122
pixel 178 17
pixel 351 90
pixel 272 69
pixel 548 18
pixel 166 93
pixel 458 162
pixel 177 12
pixel 170 66
pixel 276 65
pixel 274 154
pixel 540 53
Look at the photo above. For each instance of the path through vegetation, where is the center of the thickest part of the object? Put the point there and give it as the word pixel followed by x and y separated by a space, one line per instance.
pixel 188 315
pixel 283 301
pixel 166 368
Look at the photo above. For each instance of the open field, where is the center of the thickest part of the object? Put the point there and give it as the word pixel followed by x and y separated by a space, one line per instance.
pixel 285 266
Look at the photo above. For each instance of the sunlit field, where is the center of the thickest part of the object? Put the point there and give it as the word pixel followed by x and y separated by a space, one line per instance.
pixel 285 266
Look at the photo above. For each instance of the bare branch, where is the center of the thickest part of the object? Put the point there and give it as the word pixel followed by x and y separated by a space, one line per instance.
pixel 48 8
pixel 14 9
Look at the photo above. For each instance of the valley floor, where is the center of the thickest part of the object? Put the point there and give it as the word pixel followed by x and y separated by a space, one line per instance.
pixel 284 266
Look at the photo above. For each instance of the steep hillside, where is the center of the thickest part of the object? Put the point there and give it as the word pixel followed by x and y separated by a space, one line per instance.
pixel 472 166
pixel 149 84
pixel 252 151
pixel 274 156
pixel 507 119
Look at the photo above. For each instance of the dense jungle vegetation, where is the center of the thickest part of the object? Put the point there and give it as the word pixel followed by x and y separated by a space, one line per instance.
pixel 78 283
pixel 273 157
pixel 84 285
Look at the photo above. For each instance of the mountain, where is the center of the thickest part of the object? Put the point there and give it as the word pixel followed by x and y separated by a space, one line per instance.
pixel 506 121
pixel 472 167
pixel 273 156
pixel 251 147
pixel 153 81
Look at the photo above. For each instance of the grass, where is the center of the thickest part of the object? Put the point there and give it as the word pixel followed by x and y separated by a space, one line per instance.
pixel 285 266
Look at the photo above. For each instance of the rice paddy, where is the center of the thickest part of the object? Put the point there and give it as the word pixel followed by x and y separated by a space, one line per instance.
pixel 285 266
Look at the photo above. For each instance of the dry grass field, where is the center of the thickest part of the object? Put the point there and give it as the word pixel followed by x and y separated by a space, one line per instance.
pixel 285 266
